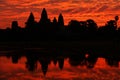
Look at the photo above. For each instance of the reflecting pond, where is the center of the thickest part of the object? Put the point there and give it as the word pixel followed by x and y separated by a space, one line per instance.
pixel 54 64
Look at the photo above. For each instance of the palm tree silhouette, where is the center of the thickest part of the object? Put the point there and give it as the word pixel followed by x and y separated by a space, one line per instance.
pixel 116 19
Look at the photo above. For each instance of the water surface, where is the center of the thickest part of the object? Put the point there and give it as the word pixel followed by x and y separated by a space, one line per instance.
pixel 56 67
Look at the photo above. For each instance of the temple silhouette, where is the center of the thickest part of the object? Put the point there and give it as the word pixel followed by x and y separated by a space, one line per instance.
pixel 46 41
pixel 86 35
pixel 55 30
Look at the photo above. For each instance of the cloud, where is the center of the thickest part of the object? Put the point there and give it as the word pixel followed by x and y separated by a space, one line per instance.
pixel 58 1
pixel 80 10
pixel 70 10
pixel 116 8
pixel 102 8
pixel 12 8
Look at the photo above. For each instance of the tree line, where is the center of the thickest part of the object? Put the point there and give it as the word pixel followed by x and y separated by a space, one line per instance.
pixel 57 30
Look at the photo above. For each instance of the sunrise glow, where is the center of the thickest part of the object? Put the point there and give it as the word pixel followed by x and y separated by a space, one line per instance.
pixel 19 10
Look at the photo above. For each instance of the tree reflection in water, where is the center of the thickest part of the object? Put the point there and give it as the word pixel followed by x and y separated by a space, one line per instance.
pixel 57 56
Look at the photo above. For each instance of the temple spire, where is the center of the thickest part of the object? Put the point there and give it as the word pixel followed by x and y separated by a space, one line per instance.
pixel 44 16
pixel 31 20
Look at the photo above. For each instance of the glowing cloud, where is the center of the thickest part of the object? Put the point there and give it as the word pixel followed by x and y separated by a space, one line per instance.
pixel 19 10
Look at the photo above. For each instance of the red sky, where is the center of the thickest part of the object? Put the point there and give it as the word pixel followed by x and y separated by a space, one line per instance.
pixel 99 10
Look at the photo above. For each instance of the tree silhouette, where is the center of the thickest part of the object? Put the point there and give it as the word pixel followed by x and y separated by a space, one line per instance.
pixel 91 60
pixel 112 62
pixel 116 19
pixel 15 25
pixel 83 27
pixel 91 25
pixel 15 59
pixel 111 25
pixel 77 60
pixel 74 26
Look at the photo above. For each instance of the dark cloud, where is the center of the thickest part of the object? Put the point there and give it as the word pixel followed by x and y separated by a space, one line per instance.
pixel 54 11
pixel 68 10
pixel 85 1
pixel 116 8
pixel 102 8
pixel 57 1
pixel 90 10
pixel 88 1
pixel 116 1
pixel 80 10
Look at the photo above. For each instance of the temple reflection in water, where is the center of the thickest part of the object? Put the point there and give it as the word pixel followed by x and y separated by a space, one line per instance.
pixel 76 57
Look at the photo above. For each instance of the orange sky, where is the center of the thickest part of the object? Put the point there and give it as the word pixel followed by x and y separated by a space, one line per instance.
pixel 98 10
